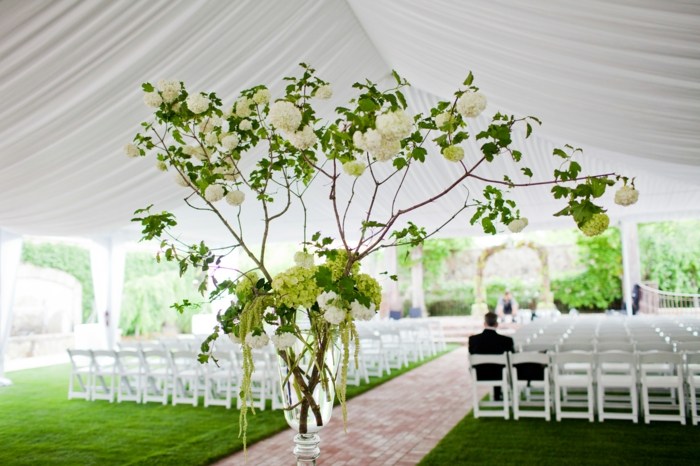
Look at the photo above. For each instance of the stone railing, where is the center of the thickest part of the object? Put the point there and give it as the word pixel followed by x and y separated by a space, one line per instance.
pixel 654 301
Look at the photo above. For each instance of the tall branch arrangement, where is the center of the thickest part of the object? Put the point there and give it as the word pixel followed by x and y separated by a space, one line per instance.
pixel 264 154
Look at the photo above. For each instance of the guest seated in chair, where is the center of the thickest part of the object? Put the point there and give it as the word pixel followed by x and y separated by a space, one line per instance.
pixel 490 342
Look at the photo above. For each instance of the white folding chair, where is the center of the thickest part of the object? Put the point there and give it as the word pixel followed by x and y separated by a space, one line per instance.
pixel 104 375
pixel 616 372
pixel 530 380
pixel 573 385
pixel 129 375
pixel 692 360
pixel 372 353
pixel 486 408
pixel 186 377
pixel 80 374
pixel 357 372
pixel 157 375
pixel 622 345
pixel 661 377
pixel 220 379
pixel 259 381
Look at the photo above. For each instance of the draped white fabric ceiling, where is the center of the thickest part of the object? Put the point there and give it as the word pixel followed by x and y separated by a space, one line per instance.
pixel 620 79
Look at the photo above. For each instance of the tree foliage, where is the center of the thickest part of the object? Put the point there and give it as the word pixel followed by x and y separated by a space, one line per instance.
pixel 599 286
pixel 670 255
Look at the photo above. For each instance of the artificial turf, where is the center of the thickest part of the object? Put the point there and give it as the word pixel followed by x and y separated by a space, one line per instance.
pixel 40 426
pixel 571 441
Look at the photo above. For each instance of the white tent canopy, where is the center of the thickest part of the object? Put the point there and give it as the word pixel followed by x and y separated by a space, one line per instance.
pixel 619 79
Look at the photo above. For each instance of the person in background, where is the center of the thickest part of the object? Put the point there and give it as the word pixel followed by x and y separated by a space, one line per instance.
pixel 507 307
pixel 490 342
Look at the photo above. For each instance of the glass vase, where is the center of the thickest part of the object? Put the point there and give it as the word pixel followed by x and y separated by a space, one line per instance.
pixel 307 372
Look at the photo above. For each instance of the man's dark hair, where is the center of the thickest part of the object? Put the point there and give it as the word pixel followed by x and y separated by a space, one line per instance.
pixel 491 319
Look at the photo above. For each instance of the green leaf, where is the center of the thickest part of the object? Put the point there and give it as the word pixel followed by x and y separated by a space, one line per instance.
pixel 419 153
pixel 527 172
pixel 399 163
pixel 367 105
pixel 469 80
pixel 147 87
pixel 560 153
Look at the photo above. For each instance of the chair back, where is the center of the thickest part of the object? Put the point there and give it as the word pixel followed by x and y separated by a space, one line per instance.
pixel 395 315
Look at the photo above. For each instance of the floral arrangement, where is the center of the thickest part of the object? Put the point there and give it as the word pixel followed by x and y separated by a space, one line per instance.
pixel 264 153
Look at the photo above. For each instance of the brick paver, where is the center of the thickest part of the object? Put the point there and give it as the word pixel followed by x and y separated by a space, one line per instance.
pixel 394 424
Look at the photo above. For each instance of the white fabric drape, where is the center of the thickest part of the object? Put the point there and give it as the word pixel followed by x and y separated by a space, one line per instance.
pixel 10 255
pixel 107 257
pixel 620 79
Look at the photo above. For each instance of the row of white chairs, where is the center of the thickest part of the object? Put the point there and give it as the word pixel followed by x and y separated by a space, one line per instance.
pixel 576 384
pixel 602 333
pixel 168 370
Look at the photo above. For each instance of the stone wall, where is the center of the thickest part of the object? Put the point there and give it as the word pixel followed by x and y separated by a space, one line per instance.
pixel 47 306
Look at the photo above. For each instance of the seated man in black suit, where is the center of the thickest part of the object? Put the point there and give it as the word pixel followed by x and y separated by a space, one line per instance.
pixel 490 342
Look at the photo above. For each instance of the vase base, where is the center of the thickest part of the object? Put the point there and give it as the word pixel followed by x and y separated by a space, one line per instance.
pixel 306 449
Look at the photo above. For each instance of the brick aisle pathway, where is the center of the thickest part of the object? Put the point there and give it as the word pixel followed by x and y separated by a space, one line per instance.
pixel 395 424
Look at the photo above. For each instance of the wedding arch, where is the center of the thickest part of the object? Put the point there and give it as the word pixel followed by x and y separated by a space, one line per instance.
pixel 545 299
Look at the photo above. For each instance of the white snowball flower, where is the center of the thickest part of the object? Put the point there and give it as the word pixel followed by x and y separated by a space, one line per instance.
pixel 257 341
pixel 626 195
pixel 230 173
pixel 211 139
pixel 471 104
pixel 360 312
pixel 230 141
pixel 131 150
pixel 214 193
pixel 359 140
pixel 169 89
pixel 198 103
pixel 162 166
pixel 387 149
pixel 195 151
pixel 303 139
pixel 518 225
pixel 325 298
pixel 304 259
pixel 284 115
pixel 179 179
pixel 394 125
pixel 354 168
pixel 243 107
pixel 152 99
pixel 245 125
pixel 208 124
pixel 443 119
pixel 176 107
pixel 324 92
pixel 284 341
pixel 453 153
pixel 235 198
pixel 261 97
pixel 334 315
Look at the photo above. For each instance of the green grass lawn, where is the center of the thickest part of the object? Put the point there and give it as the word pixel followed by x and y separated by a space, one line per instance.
pixel 571 441
pixel 40 426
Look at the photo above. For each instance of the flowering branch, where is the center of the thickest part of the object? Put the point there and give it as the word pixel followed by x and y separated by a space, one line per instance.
pixel 210 147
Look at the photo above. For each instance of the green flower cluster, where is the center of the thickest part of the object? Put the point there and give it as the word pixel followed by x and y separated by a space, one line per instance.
pixel 296 287
pixel 336 263
pixel 596 225
pixel 246 285
pixel 369 287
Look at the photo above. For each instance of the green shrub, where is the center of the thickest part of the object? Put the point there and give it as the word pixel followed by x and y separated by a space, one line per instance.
pixel 599 286
pixel 670 255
